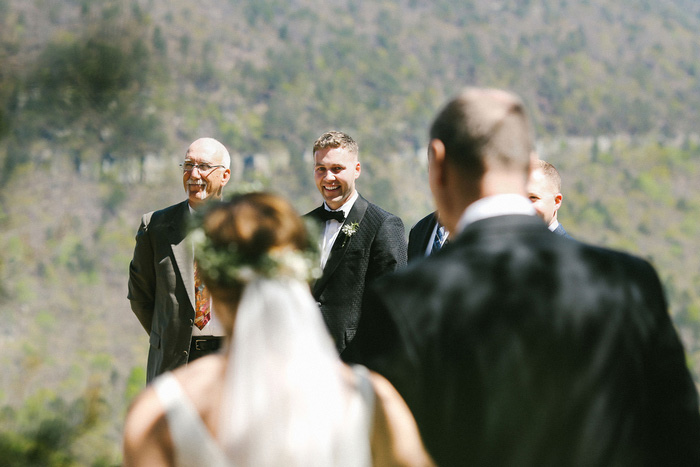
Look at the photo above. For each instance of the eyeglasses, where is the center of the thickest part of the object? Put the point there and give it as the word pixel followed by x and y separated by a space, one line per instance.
pixel 204 168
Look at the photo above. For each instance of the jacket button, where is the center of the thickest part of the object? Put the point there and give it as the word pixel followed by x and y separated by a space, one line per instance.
pixel 184 352
pixel 191 322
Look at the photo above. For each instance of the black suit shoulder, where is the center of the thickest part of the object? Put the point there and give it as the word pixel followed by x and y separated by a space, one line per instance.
pixel 419 236
pixel 508 306
pixel 388 247
pixel 315 213
pixel 171 218
pixel 426 223
pixel 169 213
pixel 377 216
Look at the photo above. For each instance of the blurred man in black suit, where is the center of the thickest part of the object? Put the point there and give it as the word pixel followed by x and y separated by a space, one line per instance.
pixel 426 237
pixel 513 346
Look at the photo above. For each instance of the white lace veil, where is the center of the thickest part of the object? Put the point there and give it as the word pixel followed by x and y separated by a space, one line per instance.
pixel 285 402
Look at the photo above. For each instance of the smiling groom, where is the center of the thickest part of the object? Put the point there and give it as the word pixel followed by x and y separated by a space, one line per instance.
pixel 359 241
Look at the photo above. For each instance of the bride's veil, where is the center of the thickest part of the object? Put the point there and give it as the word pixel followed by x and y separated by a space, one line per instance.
pixel 285 402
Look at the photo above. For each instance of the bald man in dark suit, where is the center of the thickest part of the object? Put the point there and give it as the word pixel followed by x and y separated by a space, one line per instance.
pixel 516 347
pixel 162 280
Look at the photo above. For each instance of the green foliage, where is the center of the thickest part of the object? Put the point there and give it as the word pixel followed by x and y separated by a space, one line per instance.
pixel 135 383
pixel 44 431
pixel 99 99
pixel 86 93
pixel 159 42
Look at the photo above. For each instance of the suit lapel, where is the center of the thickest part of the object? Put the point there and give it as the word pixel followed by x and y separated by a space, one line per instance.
pixel 427 233
pixel 316 214
pixel 183 251
pixel 342 242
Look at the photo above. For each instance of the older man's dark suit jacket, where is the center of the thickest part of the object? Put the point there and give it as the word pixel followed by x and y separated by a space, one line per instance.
pixel 419 236
pixel 377 247
pixel 161 286
pixel 513 346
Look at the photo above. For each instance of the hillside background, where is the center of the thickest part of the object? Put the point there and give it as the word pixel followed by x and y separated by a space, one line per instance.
pixel 100 99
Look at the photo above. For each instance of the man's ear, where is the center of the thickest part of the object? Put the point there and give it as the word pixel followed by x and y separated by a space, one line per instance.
pixel 557 201
pixel 436 162
pixel 226 177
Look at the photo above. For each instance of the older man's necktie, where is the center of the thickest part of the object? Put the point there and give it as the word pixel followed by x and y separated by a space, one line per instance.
pixel 201 301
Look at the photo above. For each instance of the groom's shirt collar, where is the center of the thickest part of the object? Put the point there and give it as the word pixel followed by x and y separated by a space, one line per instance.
pixel 345 207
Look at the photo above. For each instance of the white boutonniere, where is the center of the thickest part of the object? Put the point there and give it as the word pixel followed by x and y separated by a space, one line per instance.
pixel 349 230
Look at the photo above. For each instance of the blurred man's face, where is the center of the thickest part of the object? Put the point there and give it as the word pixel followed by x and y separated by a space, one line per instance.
pixel 545 199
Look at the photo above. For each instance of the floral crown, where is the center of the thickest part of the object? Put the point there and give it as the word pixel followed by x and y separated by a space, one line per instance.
pixel 225 263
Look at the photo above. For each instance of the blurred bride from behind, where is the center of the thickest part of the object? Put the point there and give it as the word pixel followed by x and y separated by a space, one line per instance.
pixel 278 394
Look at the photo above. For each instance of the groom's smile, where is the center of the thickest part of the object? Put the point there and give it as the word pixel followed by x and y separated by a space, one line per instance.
pixel 335 172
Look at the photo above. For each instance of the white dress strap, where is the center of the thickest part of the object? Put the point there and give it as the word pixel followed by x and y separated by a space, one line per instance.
pixel 365 388
pixel 358 422
pixel 192 442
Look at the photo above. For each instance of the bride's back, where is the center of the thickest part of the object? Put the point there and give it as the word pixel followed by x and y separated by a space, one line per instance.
pixel 279 395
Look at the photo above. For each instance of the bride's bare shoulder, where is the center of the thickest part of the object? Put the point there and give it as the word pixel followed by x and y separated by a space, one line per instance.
pixel 396 440
pixel 147 440
pixel 146 437
pixel 203 376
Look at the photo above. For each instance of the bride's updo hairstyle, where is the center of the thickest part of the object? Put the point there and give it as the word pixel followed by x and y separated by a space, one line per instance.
pixel 244 237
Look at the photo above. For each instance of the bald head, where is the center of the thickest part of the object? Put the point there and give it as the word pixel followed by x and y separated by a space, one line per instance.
pixel 485 128
pixel 213 148
pixel 481 144
pixel 205 171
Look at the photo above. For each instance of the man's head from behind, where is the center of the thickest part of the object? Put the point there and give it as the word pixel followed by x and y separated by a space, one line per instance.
pixel 481 145
pixel 544 190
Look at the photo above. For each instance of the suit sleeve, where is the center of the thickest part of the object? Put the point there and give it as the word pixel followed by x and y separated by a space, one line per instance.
pixel 384 342
pixel 388 251
pixel 674 399
pixel 142 280
pixel 376 331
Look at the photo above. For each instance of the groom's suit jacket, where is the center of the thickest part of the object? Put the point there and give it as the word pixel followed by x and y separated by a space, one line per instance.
pixel 376 248
pixel 419 236
pixel 513 346
pixel 161 286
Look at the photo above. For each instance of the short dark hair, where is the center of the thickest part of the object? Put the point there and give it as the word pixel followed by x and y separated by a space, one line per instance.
pixel 336 139
pixel 484 127
pixel 551 173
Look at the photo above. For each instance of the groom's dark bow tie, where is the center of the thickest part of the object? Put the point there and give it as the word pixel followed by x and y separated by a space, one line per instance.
pixel 327 215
